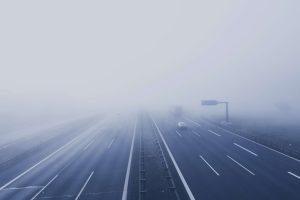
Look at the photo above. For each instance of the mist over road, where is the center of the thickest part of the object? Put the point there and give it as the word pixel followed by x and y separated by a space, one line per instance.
pixel 89 91
pixel 129 156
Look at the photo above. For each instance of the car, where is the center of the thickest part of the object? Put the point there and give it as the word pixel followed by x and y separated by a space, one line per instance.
pixel 177 111
pixel 182 126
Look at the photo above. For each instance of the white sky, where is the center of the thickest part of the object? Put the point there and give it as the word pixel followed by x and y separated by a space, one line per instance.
pixel 151 51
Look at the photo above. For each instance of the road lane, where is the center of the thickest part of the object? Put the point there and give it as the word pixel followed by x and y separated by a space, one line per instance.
pixel 72 178
pixel 267 157
pixel 267 184
pixel 46 169
pixel 28 143
pixel 231 134
pixel 18 165
pixel 178 169
pixel 110 170
pixel 270 165
pixel 97 164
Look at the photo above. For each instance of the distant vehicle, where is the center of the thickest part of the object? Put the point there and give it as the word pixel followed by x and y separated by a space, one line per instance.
pixel 177 111
pixel 182 126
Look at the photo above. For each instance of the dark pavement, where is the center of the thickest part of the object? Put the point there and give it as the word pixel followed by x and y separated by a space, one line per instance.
pixel 94 158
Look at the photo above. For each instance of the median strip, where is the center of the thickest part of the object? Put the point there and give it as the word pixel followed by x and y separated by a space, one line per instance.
pixel 187 188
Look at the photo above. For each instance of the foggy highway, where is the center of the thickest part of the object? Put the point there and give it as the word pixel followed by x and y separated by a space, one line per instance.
pixel 88 163
pixel 150 100
pixel 146 157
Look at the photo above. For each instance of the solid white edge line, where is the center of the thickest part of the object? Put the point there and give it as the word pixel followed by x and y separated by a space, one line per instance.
pixel 40 162
pixel 42 189
pixel 86 182
pixel 178 134
pixel 125 188
pixel 232 133
pixel 112 141
pixel 245 149
pixel 193 122
pixel 291 173
pixel 210 166
pixel 213 132
pixel 188 190
pixel 241 165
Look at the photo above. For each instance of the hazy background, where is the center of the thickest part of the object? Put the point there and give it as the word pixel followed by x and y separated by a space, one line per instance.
pixel 71 56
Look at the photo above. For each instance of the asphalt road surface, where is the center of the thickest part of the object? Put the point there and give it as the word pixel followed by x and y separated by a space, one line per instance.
pixel 144 157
